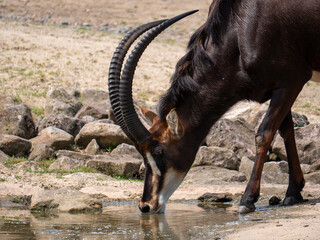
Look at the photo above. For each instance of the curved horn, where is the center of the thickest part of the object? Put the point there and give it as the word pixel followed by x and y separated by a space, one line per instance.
pixel 134 125
pixel 115 70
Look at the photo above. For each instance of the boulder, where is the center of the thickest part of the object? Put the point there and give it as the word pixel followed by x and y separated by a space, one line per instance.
pixel 54 138
pixel 17 120
pixel 313 177
pixel 92 148
pixel 215 197
pixel 104 133
pixel 125 166
pixel 3 157
pixel 64 200
pixel 216 156
pixel 273 172
pixel 91 110
pixel 211 175
pixel 66 164
pixel 58 101
pixel 235 135
pixel 308 144
pixel 66 123
pixel 14 145
pixel 253 113
pixel 92 96
pixel 40 151
pixel 126 149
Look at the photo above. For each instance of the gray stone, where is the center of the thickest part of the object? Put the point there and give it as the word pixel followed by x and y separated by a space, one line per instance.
pixel 215 197
pixel 91 110
pixel 216 156
pixel 3 157
pixel 17 120
pixel 66 164
pixel 211 175
pixel 40 151
pixel 14 145
pixel 273 172
pixel 58 101
pixel 93 96
pixel 104 133
pixel 92 148
pixel 64 200
pixel 125 166
pixel 54 138
pixel 66 123
pixel 313 177
pixel 126 149
pixel 234 135
pixel 308 144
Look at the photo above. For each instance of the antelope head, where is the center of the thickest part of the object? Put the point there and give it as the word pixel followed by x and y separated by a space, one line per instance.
pixel 166 154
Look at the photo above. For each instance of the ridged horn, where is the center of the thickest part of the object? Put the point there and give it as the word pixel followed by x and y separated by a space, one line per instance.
pixel 132 121
pixel 115 70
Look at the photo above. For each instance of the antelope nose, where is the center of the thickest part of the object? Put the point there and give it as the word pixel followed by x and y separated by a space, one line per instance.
pixel 145 208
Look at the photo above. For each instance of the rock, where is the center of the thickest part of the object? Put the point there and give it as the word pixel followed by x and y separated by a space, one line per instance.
pixel 96 97
pixel 216 156
pixel 92 148
pixel 274 200
pixel 125 166
pixel 76 155
pixel 54 138
pixel 308 144
pixel 64 200
pixel 313 177
pixel 215 197
pixel 299 120
pixel 17 120
pixel 3 157
pixel 90 110
pixel 234 135
pixel 126 149
pixel 66 164
pixel 273 172
pixel 315 166
pixel 210 175
pixel 58 101
pixel 40 151
pixel 14 145
pixel 246 166
pixel 66 123
pixel 105 134
pixel 251 112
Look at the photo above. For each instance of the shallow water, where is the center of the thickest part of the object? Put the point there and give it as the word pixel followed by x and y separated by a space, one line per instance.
pixel 181 221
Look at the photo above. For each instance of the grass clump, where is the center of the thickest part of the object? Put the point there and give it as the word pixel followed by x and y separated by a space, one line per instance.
pixel 13 160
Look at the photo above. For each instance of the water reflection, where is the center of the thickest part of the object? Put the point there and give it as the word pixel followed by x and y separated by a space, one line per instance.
pixel 181 221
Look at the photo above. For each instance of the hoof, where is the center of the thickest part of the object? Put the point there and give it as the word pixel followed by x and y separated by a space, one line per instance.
pixel 291 201
pixel 244 209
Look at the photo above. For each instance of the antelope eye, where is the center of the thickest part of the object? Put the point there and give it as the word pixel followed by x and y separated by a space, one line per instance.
pixel 157 151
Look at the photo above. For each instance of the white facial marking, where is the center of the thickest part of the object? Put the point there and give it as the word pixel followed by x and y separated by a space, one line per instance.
pixel 153 165
pixel 172 181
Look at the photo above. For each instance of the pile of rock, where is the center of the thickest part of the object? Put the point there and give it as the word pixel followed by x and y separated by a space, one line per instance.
pixel 78 129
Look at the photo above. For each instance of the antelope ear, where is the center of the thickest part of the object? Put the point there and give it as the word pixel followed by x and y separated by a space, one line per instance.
pixel 174 123
pixel 147 116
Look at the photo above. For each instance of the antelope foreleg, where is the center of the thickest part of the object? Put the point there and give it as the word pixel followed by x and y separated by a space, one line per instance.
pixel 280 105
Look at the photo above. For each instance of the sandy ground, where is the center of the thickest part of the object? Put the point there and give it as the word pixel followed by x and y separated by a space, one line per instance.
pixel 37 53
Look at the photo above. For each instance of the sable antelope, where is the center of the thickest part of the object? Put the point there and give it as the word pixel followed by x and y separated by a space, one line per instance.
pixel 247 49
